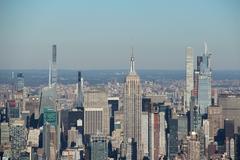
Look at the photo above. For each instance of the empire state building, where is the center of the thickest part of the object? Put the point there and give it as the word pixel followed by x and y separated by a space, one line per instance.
pixel 133 108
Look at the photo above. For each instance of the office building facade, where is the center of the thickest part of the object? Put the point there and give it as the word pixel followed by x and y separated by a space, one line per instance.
pixel 133 108
pixel 96 112
pixel 230 104
pixel 215 119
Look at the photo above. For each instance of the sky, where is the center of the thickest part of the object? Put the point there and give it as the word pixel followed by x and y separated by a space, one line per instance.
pixel 99 34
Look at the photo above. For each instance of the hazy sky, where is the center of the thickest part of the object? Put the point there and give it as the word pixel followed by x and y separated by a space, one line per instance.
pixel 98 34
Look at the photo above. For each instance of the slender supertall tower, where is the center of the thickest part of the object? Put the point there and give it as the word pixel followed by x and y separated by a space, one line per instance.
pixel 13 85
pixel 133 108
pixel 50 75
pixel 80 90
pixel 54 64
pixel 189 77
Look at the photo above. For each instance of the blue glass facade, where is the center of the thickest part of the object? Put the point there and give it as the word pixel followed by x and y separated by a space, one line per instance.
pixel 50 116
pixel 204 93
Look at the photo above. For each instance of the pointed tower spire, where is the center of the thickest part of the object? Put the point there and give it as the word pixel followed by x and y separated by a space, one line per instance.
pixel 132 64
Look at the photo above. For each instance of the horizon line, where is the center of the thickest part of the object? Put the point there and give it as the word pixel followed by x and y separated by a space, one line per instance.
pixel 122 69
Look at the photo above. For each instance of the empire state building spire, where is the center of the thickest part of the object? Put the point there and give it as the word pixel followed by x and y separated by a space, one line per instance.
pixel 132 64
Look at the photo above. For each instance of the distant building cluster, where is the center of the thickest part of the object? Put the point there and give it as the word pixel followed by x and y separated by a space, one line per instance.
pixel 130 120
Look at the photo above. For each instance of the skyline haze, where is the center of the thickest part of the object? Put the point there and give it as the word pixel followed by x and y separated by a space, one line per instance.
pixel 100 35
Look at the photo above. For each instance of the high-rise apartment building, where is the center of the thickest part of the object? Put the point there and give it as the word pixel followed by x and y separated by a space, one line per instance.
pixel 133 108
pixel 189 77
pixel 79 103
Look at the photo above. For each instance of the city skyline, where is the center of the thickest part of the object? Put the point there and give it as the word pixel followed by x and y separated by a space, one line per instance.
pixel 158 31
pixel 126 120
pixel 70 87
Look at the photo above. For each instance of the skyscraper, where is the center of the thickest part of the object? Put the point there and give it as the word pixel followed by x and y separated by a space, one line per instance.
pixel 189 76
pixel 20 82
pixel 195 116
pixel 13 109
pixel 229 128
pixel 50 116
pixel 46 139
pixel 173 138
pixel 99 147
pixel 54 65
pixel 18 137
pixel 215 120
pixel 237 145
pixel 133 107
pixel 193 147
pixel 204 81
pixel 79 90
pixel 96 112
pixel 145 133
pixel 195 83
pixel 49 141
pixel 230 104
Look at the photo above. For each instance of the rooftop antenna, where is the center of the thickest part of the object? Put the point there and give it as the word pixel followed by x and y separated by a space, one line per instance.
pixel 132 62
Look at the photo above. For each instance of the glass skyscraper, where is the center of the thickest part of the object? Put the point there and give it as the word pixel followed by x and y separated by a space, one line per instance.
pixel 99 147
pixel 204 81
pixel 20 82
